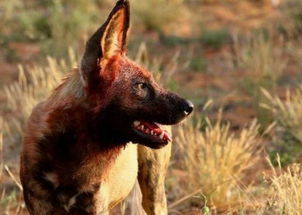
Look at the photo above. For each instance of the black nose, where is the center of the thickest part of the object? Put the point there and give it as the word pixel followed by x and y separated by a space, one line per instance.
pixel 188 107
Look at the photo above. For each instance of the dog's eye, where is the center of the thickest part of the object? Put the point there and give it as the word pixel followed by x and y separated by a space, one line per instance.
pixel 141 89
pixel 141 86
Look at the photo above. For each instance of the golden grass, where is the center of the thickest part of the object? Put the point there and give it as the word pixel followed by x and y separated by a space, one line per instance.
pixel 1 152
pixel 160 16
pixel 10 201
pixel 34 84
pixel 287 112
pixel 261 59
pixel 285 193
pixel 162 70
pixel 215 159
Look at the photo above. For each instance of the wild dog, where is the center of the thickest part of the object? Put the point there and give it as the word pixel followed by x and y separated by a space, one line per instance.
pixel 78 155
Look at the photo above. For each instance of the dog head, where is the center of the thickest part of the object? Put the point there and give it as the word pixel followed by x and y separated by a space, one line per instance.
pixel 123 94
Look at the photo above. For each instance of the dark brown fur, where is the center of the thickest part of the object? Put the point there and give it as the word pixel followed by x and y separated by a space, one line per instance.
pixel 76 148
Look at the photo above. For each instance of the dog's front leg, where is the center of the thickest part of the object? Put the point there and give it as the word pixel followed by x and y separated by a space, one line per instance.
pixel 153 166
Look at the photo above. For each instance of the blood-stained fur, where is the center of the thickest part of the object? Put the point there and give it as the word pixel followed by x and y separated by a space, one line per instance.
pixel 99 131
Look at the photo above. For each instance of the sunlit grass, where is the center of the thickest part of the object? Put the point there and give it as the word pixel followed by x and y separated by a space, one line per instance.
pixel 287 111
pixel 215 159
pixel 260 59
pixel 11 202
pixel 284 193
pixel 159 16
pixel 287 114
pixel 33 86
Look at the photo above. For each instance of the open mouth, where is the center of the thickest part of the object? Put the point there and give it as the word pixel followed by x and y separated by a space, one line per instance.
pixel 151 131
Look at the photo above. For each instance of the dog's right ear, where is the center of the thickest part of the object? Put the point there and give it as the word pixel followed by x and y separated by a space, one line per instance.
pixel 108 41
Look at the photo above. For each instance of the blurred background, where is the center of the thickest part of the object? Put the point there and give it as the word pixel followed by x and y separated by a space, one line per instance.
pixel 239 61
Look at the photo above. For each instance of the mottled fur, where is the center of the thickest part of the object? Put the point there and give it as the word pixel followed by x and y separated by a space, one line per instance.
pixel 77 155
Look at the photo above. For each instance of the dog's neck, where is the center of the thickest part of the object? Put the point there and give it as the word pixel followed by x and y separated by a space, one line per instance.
pixel 70 92
pixel 73 150
pixel 92 135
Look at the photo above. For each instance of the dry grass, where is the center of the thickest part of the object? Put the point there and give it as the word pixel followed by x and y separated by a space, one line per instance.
pixel 287 191
pixel 284 193
pixel 287 136
pixel 287 112
pixel 9 199
pixel 215 159
pixel 261 62
pixel 162 70
pixel 1 152
pixel 160 16
pixel 261 59
pixel 34 84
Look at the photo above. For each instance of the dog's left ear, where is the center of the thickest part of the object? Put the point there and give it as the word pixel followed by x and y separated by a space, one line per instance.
pixel 108 41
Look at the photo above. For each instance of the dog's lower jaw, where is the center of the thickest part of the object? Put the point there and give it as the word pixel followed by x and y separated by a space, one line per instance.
pixel 154 146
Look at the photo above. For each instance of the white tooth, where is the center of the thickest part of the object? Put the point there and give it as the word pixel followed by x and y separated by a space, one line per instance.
pixel 136 123
pixel 161 135
pixel 152 132
pixel 142 127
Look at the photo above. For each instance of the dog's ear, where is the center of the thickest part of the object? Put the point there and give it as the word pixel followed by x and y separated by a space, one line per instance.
pixel 114 38
pixel 109 40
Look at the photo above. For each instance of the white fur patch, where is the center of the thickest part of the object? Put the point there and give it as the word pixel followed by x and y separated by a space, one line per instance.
pixel 71 202
pixel 53 178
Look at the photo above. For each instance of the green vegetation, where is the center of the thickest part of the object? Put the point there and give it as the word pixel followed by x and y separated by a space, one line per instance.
pixel 214 38
pixel 55 24
pixel 287 114
pixel 198 64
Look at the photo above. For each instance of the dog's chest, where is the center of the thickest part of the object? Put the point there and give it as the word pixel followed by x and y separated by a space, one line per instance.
pixel 116 183
pixel 120 179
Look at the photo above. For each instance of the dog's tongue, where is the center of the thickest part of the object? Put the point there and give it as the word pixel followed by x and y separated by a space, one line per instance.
pixel 153 129
pixel 149 125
